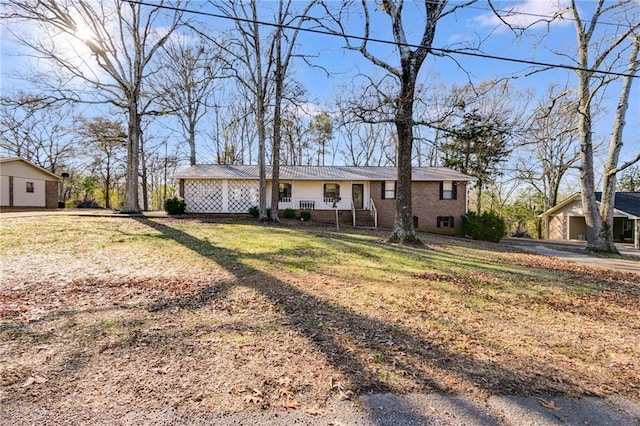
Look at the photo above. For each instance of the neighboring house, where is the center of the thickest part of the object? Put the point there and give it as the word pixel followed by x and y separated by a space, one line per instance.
pixel 566 220
pixel 363 196
pixel 25 185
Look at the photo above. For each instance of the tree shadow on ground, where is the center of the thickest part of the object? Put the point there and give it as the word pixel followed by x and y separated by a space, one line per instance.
pixel 399 351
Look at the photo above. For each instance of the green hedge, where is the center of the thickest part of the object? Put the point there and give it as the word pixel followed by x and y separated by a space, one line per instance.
pixel 485 227
pixel 174 205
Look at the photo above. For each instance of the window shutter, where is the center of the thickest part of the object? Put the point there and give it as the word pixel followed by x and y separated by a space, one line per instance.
pixel 451 219
pixel 454 192
pixel 395 189
pixel 382 185
pixel 441 190
pixel 438 222
pixel 337 191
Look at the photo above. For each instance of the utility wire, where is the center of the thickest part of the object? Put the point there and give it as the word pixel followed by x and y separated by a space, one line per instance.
pixel 382 41
pixel 510 13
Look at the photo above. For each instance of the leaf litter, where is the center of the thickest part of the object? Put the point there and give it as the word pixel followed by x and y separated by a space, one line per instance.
pixel 186 329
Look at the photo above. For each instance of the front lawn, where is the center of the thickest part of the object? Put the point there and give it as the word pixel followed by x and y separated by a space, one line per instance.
pixel 116 313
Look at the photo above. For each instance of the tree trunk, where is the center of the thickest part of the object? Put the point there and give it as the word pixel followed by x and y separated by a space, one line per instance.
pixel 143 161
pixel 107 186
pixel 277 115
pixel 192 146
pixel 403 229
pixel 131 202
pixel 607 201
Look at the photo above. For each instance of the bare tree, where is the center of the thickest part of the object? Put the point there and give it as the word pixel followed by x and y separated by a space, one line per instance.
pixel 551 145
pixel 185 84
pixel 282 56
pixel 596 53
pixel 104 141
pixel 402 101
pixel 250 64
pixel 34 128
pixel 122 39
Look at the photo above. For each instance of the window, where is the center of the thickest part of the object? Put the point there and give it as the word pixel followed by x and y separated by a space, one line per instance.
pixel 388 190
pixel 285 192
pixel 448 191
pixel 445 222
pixel 29 186
pixel 331 192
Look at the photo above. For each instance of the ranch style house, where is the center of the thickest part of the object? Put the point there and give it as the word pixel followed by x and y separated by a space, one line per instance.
pixel 361 196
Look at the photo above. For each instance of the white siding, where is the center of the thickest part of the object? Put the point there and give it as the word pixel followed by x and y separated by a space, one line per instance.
pixel 22 198
pixel 4 191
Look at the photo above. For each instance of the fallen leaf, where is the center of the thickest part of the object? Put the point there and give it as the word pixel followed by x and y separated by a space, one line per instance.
pixel 28 382
pixel 23 308
pixel 286 393
pixel 291 404
pixel 39 380
pixel 314 412
pixel 34 379
pixel 549 404
pixel 252 399
pixel 343 396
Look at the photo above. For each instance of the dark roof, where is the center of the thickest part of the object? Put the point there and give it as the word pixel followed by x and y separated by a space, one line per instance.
pixel 628 202
pixel 338 173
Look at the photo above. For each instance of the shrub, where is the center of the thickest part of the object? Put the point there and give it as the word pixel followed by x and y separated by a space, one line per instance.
pixel 174 205
pixel 305 215
pixel 255 211
pixel 485 227
pixel 289 214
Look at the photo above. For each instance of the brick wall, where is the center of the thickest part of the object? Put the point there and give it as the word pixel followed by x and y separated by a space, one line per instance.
pixel 52 189
pixel 328 216
pixel 427 206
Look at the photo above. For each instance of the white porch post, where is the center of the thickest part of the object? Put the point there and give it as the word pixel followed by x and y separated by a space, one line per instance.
pixel 225 195
pixel 636 237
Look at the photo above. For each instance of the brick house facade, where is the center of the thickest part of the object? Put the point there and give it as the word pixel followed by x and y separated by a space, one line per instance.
pixel 361 196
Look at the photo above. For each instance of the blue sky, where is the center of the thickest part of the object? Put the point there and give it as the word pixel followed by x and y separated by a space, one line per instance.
pixel 465 27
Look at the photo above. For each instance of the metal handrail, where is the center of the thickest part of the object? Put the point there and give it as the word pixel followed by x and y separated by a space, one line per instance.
pixel 374 212
pixel 353 213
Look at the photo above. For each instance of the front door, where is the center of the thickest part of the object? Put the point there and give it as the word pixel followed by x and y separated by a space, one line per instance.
pixel 357 195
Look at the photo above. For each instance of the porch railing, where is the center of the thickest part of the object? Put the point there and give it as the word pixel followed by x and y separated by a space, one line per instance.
pixel 311 203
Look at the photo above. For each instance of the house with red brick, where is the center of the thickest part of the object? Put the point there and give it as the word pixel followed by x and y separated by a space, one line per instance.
pixel 361 196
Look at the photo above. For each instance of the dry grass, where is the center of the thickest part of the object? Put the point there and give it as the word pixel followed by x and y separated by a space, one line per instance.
pixel 105 313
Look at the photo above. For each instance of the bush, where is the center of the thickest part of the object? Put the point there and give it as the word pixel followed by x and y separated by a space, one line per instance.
pixel 289 214
pixel 174 205
pixel 485 227
pixel 255 212
pixel 305 215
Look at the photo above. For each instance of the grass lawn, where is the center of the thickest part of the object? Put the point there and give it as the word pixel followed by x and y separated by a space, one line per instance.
pixel 104 313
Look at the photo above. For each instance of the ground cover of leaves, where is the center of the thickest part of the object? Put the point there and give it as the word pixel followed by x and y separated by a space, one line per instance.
pixel 105 314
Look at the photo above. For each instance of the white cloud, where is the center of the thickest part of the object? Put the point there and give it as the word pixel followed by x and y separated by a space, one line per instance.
pixel 526 13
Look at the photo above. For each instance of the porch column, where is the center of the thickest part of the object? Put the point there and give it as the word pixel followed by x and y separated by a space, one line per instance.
pixel 636 237
pixel 225 195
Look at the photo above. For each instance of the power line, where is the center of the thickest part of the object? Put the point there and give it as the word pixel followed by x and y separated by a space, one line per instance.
pixel 511 13
pixel 382 41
